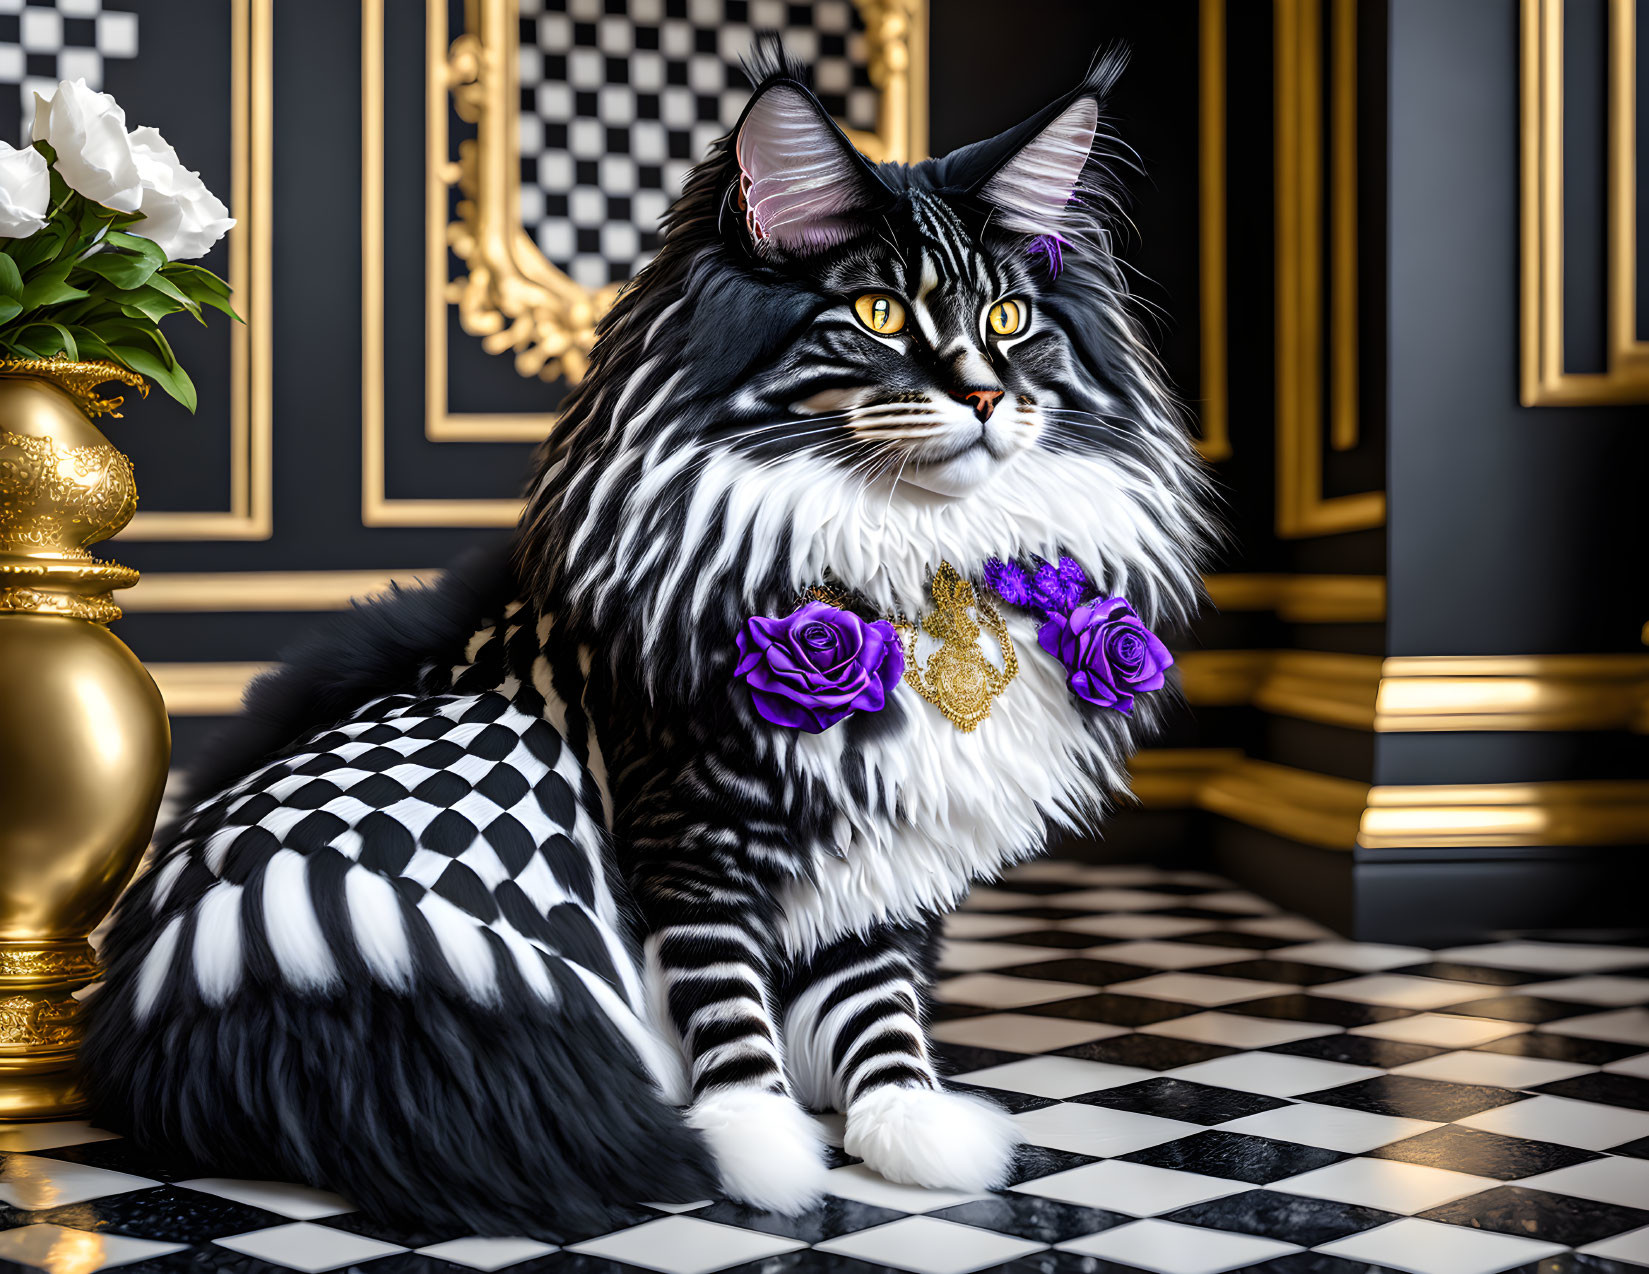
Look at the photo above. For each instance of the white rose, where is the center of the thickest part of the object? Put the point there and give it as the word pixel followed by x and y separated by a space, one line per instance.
pixel 179 213
pixel 87 129
pixel 25 191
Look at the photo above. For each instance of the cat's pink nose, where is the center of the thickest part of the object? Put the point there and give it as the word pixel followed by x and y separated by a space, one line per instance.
pixel 983 401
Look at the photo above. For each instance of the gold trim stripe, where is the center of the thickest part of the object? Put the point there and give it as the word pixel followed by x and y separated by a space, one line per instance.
pixel 1215 440
pixel 1303 599
pixel 1426 694
pixel 1340 814
pixel 1544 382
pixel 250 515
pixel 1298 599
pixel 1302 509
pixel 210 591
pixel 203 690
pixel 1498 814
pixel 1514 692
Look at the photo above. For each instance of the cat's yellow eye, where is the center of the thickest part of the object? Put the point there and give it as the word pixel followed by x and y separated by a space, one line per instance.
pixel 881 313
pixel 1007 317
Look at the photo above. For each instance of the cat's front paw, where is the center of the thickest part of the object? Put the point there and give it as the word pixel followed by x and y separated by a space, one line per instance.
pixel 921 1137
pixel 768 1150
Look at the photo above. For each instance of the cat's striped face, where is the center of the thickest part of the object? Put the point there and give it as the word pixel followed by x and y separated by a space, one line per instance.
pixel 847 370
pixel 929 357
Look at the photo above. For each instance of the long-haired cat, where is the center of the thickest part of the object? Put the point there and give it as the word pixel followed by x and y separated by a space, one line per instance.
pixel 509 908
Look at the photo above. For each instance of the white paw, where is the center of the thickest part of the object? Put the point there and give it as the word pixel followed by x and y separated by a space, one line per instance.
pixel 920 1137
pixel 768 1150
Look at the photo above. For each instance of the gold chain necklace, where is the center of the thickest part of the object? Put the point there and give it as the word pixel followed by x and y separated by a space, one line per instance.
pixel 958 679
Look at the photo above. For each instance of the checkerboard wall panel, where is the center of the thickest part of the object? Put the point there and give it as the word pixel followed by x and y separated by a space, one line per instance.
pixel 45 41
pixel 618 99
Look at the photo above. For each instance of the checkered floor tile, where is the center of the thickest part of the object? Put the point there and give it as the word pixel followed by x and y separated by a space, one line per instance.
pixel 1203 1086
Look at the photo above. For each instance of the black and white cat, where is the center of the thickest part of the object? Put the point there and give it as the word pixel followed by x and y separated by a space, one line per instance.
pixel 503 874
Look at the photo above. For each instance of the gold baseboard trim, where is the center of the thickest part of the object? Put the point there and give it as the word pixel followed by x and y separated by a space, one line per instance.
pixel 1311 685
pixel 1428 693
pixel 1341 814
pixel 1173 778
pixel 1315 809
pixel 1497 814
pixel 1514 692
pixel 1303 599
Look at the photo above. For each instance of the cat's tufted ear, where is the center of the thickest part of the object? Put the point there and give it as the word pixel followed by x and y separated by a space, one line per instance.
pixel 1032 191
pixel 1033 175
pixel 803 187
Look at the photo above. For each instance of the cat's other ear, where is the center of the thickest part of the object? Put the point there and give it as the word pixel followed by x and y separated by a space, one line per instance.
pixel 1033 175
pixel 803 187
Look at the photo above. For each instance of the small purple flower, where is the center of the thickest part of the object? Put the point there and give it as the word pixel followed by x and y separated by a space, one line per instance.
pixel 810 668
pixel 1110 653
pixel 1054 589
pixel 1008 581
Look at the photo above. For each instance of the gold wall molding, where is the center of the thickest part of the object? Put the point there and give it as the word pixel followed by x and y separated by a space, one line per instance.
pixel 1514 692
pixel 213 591
pixel 1500 814
pixel 377 507
pixel 1341 814
pixel 250 515
pixel 1311 685
pixel 1302 508
pixel 1544 381
pixel 1303 599
pixel 1426 694
pixel 1313 809
pixel 1214 440
pixel 204 689
pixel 1300 599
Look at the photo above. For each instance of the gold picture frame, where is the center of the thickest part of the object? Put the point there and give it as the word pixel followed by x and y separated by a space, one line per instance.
pixel 1545 382
pixel 506 292
pixel 510 295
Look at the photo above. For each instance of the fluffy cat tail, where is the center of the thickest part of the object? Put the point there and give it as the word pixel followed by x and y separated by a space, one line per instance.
pixel 427 1110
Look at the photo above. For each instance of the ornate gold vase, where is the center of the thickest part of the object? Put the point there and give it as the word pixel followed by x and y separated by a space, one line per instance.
pixel 84 741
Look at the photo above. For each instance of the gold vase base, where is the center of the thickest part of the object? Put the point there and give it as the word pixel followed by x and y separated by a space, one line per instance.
pixel 40 1026
pixel 34 1092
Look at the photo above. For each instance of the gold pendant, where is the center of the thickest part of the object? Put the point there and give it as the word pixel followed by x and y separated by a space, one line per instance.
pixel 958 680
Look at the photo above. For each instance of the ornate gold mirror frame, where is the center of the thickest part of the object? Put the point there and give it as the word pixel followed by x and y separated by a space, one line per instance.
pixel 511 296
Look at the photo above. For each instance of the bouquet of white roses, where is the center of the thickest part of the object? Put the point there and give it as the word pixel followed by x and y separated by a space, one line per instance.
pixel 95 226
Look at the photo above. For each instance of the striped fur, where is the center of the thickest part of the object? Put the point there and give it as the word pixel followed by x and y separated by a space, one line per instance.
pixel 524 860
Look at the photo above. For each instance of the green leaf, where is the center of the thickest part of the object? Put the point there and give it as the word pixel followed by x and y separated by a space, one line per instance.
pixel 50 289
pixel 185 275
pixel 11 278
pixel 167 374
pixel 152 308
pixel 160 283
pixel 69 346
pixel 120 269
pixel 91 344
pixel 148 249
pixel 9 309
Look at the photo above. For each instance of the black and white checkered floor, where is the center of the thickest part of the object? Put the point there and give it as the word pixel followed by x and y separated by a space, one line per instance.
pixel 1204 1085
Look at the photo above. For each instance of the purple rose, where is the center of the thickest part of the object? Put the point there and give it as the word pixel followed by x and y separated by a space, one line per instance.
pixel 811 668
pixel 1111 654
